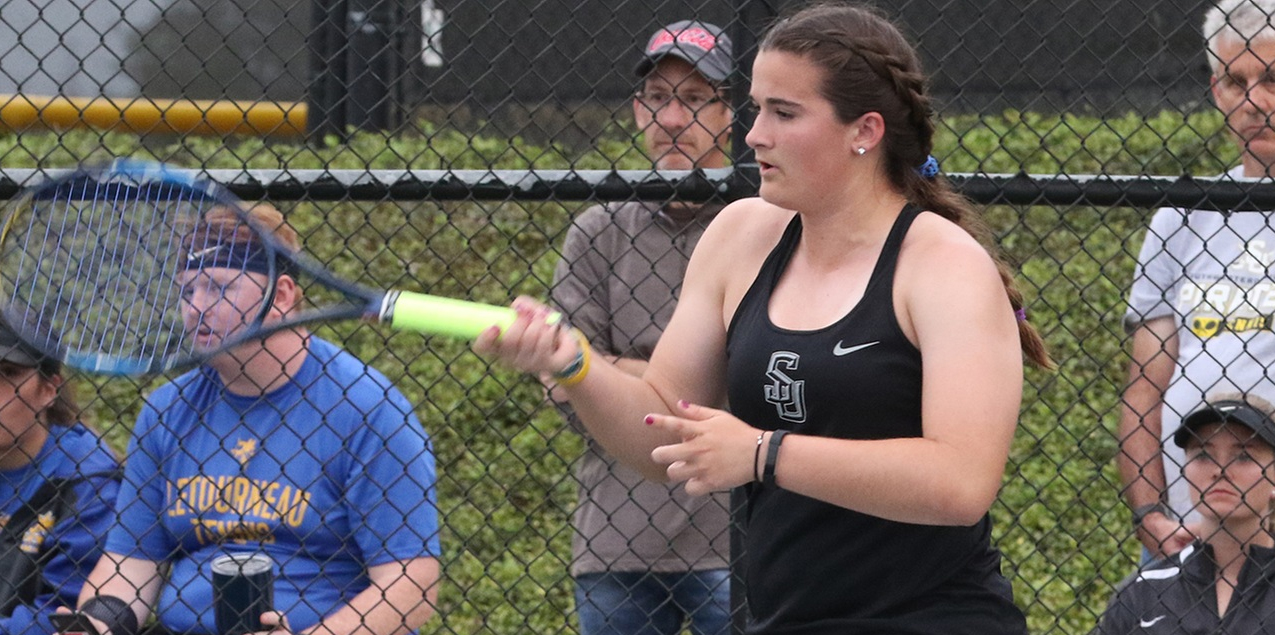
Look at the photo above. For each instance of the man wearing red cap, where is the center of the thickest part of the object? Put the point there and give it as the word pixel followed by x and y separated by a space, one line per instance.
pixel 648 558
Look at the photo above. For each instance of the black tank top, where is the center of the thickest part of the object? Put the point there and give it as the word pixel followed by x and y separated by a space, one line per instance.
pixel 813 567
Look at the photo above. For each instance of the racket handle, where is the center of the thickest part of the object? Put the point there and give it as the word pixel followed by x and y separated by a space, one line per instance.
pixel 446 316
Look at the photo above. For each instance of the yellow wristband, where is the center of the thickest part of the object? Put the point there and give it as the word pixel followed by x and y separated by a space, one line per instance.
pixel 576 371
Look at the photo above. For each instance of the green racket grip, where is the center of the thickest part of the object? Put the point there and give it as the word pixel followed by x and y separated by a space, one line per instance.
pixel 446 316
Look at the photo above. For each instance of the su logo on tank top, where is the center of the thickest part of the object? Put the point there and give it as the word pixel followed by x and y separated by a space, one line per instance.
pixel 788 394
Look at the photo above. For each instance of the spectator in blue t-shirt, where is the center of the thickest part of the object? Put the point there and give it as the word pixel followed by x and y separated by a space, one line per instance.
pixel 287 447
pixel 58 482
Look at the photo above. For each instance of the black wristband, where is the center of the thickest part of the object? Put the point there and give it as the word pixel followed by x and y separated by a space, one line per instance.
pixel 112 611
pixel 757 459
pixel 1146 510
pixel 772 455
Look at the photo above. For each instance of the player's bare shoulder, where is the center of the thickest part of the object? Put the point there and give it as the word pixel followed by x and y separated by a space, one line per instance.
pixel 943 269
pixel 733 249
pixel 739 239
pixel 934 241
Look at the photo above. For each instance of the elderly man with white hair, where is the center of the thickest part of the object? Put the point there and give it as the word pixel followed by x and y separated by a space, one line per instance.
pixel 1201 306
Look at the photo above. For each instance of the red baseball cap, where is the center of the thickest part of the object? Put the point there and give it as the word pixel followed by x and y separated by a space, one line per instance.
pixel 704 45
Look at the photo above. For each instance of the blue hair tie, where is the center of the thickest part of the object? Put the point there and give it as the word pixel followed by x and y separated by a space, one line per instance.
pixel 930 168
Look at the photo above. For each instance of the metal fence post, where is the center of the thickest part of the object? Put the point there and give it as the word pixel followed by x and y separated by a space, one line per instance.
pixel 326 112
pixel 369 63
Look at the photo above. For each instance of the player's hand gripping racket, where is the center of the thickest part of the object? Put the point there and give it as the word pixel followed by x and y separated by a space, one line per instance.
pixel 97 266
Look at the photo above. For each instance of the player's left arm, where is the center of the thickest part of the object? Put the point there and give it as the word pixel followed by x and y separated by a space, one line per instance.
pixel 399 600
pixel 950 298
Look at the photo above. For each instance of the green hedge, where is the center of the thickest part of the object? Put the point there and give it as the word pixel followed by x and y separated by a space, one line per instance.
pixel 505 461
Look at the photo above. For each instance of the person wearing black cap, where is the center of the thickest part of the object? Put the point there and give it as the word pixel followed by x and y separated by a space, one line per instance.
pixel 58 481
pixel 647 557
pixel 1224 581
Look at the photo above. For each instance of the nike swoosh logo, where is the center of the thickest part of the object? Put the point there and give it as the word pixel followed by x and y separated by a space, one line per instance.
pixel 839 350
pixel 1149 623
pixel 197 255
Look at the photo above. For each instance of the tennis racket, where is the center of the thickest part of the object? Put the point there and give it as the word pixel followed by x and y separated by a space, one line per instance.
pixel 94 265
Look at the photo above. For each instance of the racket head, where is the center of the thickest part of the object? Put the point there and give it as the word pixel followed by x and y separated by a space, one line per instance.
pixel 97 267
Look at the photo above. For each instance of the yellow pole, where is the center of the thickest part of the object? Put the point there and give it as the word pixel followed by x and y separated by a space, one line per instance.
pixel 142 115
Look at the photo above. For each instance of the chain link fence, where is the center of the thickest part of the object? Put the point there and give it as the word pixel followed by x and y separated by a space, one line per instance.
pixel 447 146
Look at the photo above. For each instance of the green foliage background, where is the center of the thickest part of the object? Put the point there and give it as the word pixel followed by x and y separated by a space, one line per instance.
pixel 505 462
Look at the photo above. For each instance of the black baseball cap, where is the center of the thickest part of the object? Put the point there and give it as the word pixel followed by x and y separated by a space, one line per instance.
pixel 16 351
pixel 706 46
pixel 1253 413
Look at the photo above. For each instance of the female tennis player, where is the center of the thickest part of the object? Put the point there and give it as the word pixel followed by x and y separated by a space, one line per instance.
pixel 867 342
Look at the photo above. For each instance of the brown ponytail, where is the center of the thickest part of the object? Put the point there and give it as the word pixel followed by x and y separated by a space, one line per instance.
pixel 65 409
pixel 870 67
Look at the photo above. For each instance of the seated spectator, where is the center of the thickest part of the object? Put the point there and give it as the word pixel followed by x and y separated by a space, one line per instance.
pixel 1227 571
pixel 286 447
pixel 58 482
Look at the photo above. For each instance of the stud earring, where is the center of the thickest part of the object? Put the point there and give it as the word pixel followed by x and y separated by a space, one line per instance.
pixel 861 151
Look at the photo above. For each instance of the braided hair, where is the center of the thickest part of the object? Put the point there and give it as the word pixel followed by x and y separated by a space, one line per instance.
pixel 869 66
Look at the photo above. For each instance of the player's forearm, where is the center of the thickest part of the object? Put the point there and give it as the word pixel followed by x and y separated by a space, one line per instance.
pixel 1140 459
pixel 631 366
pixel 612 403
pixel 912 480
pixel 1154 355
pixel 134 580
pixel 558 397
pixel 400 600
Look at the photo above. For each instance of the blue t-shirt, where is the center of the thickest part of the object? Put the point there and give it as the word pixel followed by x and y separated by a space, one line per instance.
pixel 327 475
pixel 74 542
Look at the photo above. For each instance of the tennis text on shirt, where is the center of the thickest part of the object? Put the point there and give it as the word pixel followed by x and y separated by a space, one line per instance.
pixel 253 505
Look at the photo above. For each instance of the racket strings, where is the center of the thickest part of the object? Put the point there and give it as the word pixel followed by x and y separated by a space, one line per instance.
pixel 68 247
pixel 170 334
pixel 33 277
pixel 95 260
pixel 94 329
pixel 107 249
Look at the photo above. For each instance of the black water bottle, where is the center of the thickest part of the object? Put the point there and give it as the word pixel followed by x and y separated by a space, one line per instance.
pixel 243 589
